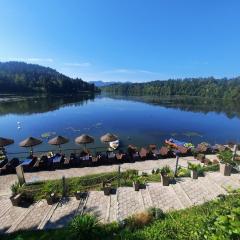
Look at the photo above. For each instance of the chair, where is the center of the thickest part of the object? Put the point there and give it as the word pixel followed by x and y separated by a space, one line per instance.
pixel 10 166
pixel 143 153
pixel 121 156
pixel 133 153
pixel 164 152
pixel 111 157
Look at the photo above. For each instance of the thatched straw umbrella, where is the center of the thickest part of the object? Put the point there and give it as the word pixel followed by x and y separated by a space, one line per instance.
pixel 58 141
pixel 30 142
pixel 84 139
pixel 109 137
pixel 5 142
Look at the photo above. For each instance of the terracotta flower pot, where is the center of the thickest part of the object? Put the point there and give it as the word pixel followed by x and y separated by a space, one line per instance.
pixel 225 169
pixel 165 180
pixel 194 174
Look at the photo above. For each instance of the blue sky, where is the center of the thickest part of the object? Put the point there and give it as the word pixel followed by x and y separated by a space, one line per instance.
pixel 127 40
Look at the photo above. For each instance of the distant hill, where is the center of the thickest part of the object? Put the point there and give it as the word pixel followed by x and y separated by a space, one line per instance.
pixel 201 87
pixel 102 83
pixel 20 77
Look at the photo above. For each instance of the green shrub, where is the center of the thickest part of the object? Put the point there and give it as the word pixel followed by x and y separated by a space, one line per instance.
pixel 196 167
pixel 165 170
pixel 15 188
pixel 226 157
pixel 183 172
pixel 84 227
pixel 157 213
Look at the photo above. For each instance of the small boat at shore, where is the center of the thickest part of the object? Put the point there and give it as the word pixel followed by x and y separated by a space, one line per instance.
pixel 114 145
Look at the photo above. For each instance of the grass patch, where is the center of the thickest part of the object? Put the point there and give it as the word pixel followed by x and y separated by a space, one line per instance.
pixel 40 190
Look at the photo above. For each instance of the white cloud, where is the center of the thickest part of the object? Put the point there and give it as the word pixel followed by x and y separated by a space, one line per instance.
pixel 128 71
pixel 75 64
pixel 30 59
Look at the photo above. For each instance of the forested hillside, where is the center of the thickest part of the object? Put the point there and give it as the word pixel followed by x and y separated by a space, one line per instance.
pixel 19 77
pixel 202 87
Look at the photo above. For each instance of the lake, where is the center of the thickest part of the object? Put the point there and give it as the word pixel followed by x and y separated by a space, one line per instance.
pixel 136 120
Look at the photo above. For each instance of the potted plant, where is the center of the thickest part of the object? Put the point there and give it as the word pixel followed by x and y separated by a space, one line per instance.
pixel 107 187
pixel 226 162
pixel 194 170
pixel 138 182
pixel 51 198
pixel 165 175
pixel 16 196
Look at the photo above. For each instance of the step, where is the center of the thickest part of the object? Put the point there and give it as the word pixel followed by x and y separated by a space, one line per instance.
pixel 182 196
pixel 129 202
pixel 211 186
pixel 63 213
pixel 196 191
pixel 98 204
pixel 10 217
pixel 224 181
pixel 164 197
pixel 146 198
pixel 34 217
pixel 113 208
pixel 5 205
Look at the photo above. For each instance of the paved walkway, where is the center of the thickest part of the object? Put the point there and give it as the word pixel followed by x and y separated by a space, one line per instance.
pixel 125 202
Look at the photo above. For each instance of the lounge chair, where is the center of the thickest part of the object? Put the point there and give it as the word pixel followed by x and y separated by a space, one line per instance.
pixel 121 156
pixel 10 166
pixel 28 164
pixel 133 153
pixel 111 157
pixel 164 152
pixel 85 158
pixel 143 153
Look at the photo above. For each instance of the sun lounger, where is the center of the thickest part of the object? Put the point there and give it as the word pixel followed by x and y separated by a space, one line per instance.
pixel 28 164
pixel 10 166
pixel 143 153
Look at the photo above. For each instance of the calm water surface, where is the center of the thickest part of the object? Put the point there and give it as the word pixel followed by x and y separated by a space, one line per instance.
pixel 136 120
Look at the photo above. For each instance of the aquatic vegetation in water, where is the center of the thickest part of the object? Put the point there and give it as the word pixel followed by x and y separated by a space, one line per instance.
pixel 47 134
pixel 192 134
pixel 98 125
pixel 73 129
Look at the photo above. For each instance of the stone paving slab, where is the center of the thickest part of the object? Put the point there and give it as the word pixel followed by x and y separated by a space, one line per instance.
pixel 196 191
pixel 225 181
pixel 33 218
pixel 182 196
pixel 129 202
pixel 10 217
pixel 113 209
pixel 63 214
pixel 98 204
pixel 164 197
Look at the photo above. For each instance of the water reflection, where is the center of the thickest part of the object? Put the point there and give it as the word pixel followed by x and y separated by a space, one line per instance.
pixel 28 105
pixel 190 104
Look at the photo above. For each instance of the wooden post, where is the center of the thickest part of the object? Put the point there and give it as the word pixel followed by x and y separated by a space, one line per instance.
pixel 20 175
pixel 234 151
pixel 177 159
pixel 64 187
pixel 119 172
